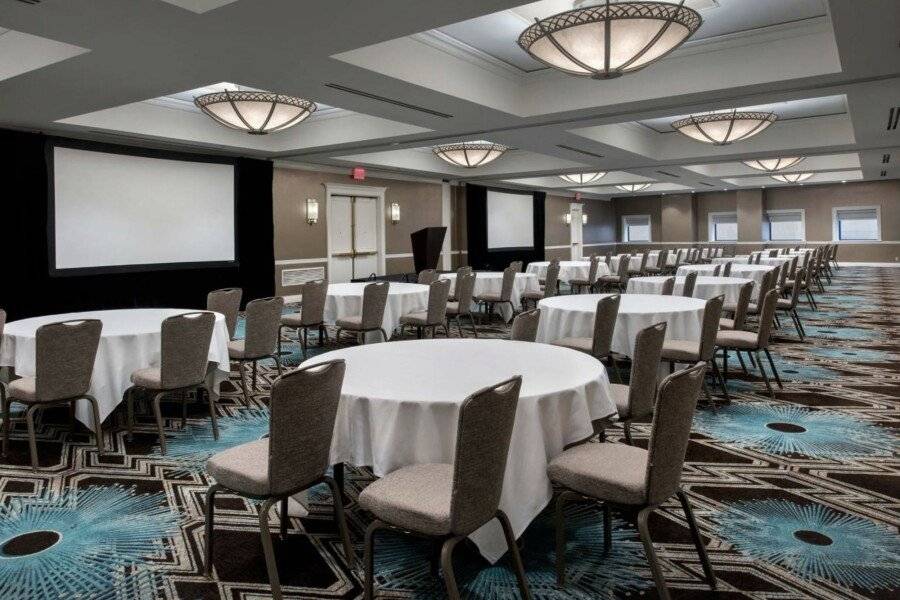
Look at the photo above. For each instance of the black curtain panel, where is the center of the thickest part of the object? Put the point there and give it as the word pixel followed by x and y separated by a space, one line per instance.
pixel 28 289
pixel 480 257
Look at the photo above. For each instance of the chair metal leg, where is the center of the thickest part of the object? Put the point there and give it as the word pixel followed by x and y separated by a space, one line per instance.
pixel 626 426
pixel 4 399
pixel 98 424
pixel 743 365
pixel 698 541
pixel 474 327
pixel 560 526
pixel 720 380
pixel 615 366
pixel 183 397
pixel 32 440
pixel 280 329
pixel 369 559
pixel 244 382
pixel 283 520
pixel 253 385
pixel 277 360
pixel 268 547
pixel 210 516
pixel 159 422
pixel 774 370
pixel 383 333
pixel 212 410
pixel 516 557
pixel 129 417
pixel 447 566
pixel 655 568
pixel 607 528
pixel 762 370
pixel 341 520
pixel 304 342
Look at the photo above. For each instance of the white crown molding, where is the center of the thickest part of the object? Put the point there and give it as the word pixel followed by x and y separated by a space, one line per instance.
pixel 331 112
pixel 463 51
pixel 374 174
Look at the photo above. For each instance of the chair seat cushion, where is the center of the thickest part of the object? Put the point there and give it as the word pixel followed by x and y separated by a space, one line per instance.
pixel 726 323
pixel 453 308
pixel 150 378
pixel 416 318
pixel 736 339
pixel 489 298
pixel 582 282
pixel 784 303
pixel 609 279
pixel 354 322
pixel 415 498
pixel 292 320
pixel 607 471
pixel 752 309
pixel 236 349
pixel 681 350
pixel 534 295
pixel 729 307
pixel 24 388
pixel 620 399
pixel 243 468
pixel 582 344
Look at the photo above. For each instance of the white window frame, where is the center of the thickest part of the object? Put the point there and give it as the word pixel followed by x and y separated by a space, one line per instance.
pixel 712 225
pixel 781 211
pixel 625 229
pixel 835 229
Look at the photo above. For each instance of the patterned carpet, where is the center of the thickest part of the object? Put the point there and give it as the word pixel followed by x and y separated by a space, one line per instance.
pixel 796 497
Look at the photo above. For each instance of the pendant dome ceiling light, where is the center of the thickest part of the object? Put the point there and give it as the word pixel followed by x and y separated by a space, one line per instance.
pixel 469 154
pixel 721 128
pixel 792 177
pixel 583 178
pixel 634 187
pixel 255 112
pixel 611 39
pixel 772 165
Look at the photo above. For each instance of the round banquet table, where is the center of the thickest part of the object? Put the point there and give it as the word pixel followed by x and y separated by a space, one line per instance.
pixel 634 263
pixel 704 287
pixel 400 405
pixel 653 258
pixel 130 340
pixel 754 272
pixel 491 282
pixel 568 269
pixel 346 300
pixel 573 316
pixel 765 260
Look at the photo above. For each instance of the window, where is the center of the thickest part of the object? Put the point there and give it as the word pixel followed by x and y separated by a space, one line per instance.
pixel 784 226
pixel 858 223
pixel 636 228
pixel 723 227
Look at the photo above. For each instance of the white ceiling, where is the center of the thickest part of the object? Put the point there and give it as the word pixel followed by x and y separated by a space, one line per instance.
pixel 392 81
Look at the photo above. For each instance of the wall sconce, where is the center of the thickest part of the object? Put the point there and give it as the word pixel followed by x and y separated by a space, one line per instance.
pixel 312 211
pixel 395 213
pixel 568 218
pixel 583 219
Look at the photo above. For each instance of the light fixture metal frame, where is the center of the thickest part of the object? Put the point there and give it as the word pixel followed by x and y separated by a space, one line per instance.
pixel 792 177
pixel 634 187
pixel 594 176
pixel 779 166
pixel 441 151
pixel 307 107
pixel 765 119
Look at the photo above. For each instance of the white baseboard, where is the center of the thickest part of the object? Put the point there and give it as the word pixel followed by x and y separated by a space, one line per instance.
pixel 868 264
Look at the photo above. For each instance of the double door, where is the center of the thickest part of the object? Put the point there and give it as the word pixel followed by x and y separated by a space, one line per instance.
pixel 353 236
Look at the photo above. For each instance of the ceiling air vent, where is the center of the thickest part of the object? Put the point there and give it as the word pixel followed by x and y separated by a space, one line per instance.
pixel 399 103
pixel 885 158
pixel 579 151
pixel 30 1
pixel 667 174
pixel 893 118
pixel 706 184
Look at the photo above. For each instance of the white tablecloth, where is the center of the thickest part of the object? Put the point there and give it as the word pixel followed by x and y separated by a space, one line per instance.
pixel 130 340
pixel 634 263
pixel 705 287
pixel 573 316
pixel 568 269
pixel 346 299
pixel 765 260
pixel 400 404
pixel 754 272
pixel 491 282
pixel 653 257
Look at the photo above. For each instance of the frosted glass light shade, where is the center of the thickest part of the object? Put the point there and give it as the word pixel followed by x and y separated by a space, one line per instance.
pixel 792 177
pixel 582 178
pixel 255 112
pixel 611 39
pixel 723 128
pixel 772 165
pixel 469 154
pixel 634 187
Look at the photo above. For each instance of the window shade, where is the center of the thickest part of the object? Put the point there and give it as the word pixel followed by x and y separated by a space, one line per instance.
pixel 636 229
pixel 724 228
pixel 857 224
pixel 787 226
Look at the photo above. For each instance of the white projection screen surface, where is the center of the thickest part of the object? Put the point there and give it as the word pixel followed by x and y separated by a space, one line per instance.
pixel 510 220
pixel 123 212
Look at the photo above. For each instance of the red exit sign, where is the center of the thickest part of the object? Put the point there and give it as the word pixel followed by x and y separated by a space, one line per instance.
pixel 358 173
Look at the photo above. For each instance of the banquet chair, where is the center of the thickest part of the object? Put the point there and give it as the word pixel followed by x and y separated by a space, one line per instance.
pixel 489 301
pixel 690 281
pixel 668 286
pixel 226 301
pixel 461 306
pixel 716 270
pixel 525 325
pixel 183 364
pixel 773 253
pixel 434 316
pixel 753 342
pixel 543 280
pixel 833 256
pixel 768 283
pixel 641 269
pixel 64 356
pixel 375 297
pixel 726 270
pixel 311 315
pixel 635 400
pixel 427 276
pixel 448 502
pixel 516 265
pixel 2 383
pixel 262 322
pixel 293 458
pixel 739 312
pixel 620 279
pixel 459 273
pixel 634 478
pixel 551 286
pixel 576 285
pixel 789 306
pixel 679 255
pixel 660 267
pixel 702 350
pixel 599 345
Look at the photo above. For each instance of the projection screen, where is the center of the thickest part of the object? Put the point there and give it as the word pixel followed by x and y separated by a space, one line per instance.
pixel 510 220
pixel 121 212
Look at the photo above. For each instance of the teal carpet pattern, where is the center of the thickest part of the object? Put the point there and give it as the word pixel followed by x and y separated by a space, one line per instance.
pixel 796 497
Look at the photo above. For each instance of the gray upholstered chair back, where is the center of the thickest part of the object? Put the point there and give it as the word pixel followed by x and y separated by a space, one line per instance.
pixel 668 286
pixel 662 259
pixel 679 255
pixel 551 280
pixel 262 319
pixel 645 370
pixel 226 301
pixel 2 322
pixel 690 279
pixel 792 270
pixel 768 283
pixel 604 325
pixel 671 430
pixel 516 265
pixel 427 276
pixel 834 249
pixel 465 289
pixel 592 271
pixel 374 300
pixel 463 270
pixel 782 274
pixel 773 253
pixel 64 358
pixel 757 258
pixel 712 312
pixel 509 279
pixel 799 277
pixel 740 309
pixel 303 408
pixel 438 293
pixel 726 272
pixel 483 433
pixel 525 325
pixel 314 294
pixel 184 349
pixel 766 314
pixel 716 270
pixel 608 258
pixel 644 257
pixel 622 271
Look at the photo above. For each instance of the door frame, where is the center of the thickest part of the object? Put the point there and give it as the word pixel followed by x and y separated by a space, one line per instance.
pixel 343 189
